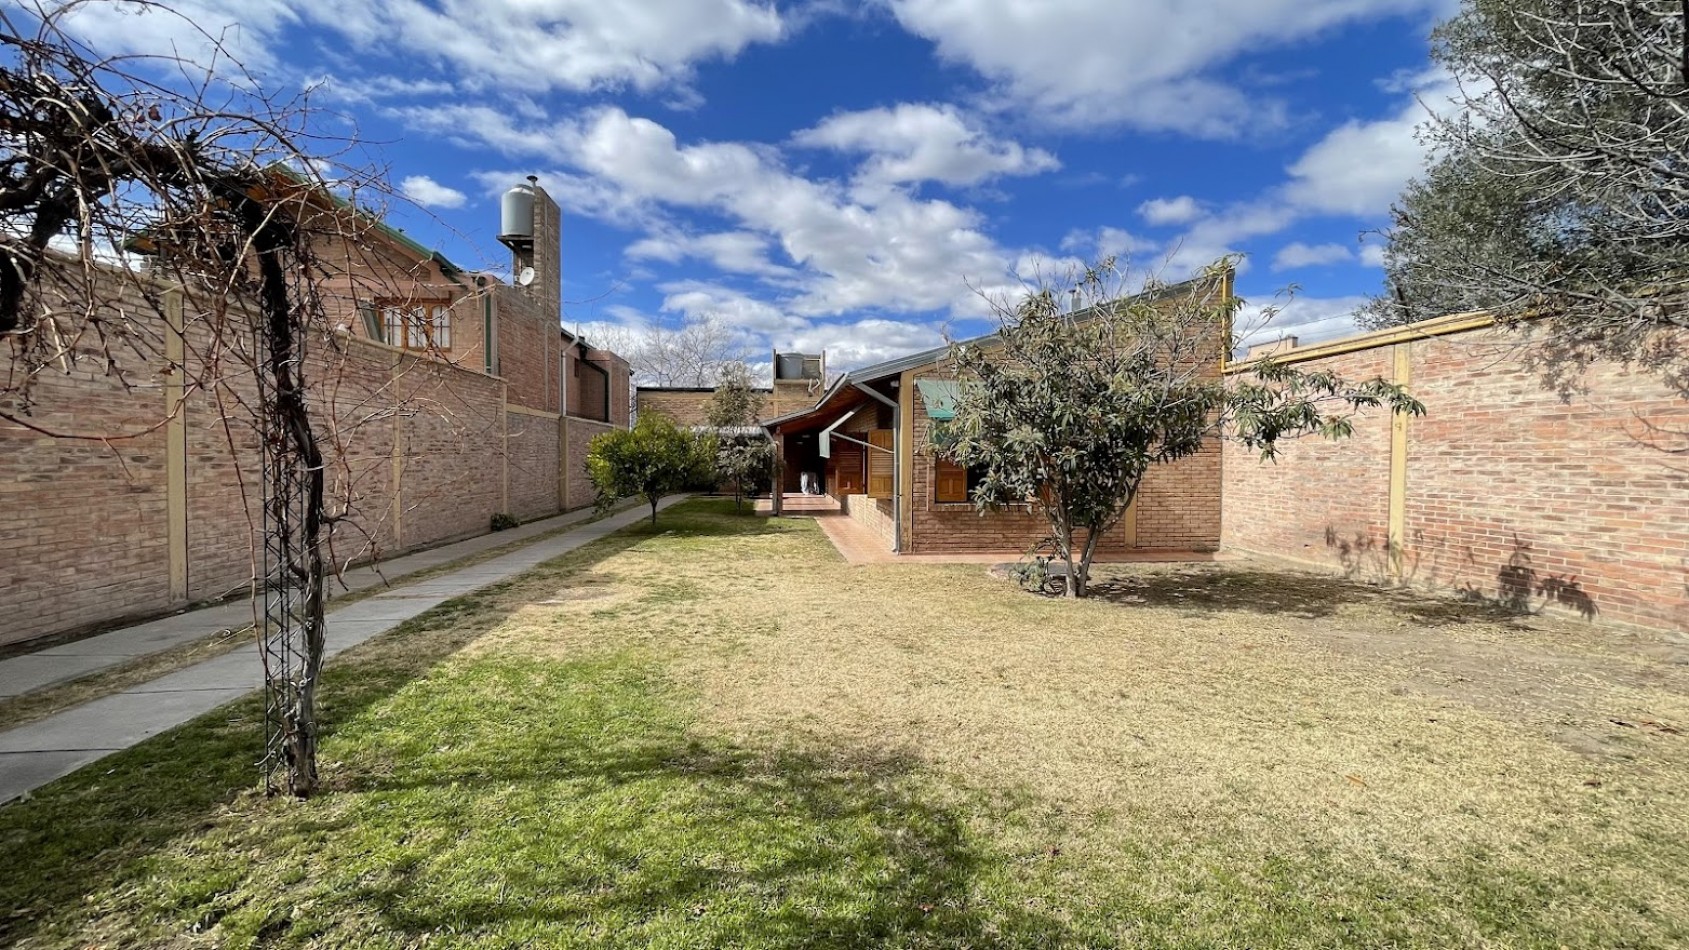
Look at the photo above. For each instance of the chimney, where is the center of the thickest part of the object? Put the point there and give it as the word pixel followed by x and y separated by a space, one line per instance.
pixel 1274 348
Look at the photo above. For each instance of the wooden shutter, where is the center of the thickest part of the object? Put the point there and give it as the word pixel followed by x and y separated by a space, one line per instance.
pixel 847 468
pixel 882 466
pixel 950 482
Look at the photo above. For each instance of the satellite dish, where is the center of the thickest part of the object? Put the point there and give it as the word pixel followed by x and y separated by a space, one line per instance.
pixel 525 276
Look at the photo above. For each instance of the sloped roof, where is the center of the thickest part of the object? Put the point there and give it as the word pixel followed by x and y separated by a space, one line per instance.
pixel 894 367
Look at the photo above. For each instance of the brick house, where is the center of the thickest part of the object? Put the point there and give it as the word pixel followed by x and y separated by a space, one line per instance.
pixel 866 442
pixel 388 289
pixel 448 397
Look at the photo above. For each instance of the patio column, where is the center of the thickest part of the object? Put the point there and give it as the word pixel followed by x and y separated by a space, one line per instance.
pixel 777 490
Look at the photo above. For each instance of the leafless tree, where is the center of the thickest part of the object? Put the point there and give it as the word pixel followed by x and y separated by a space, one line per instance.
pixel 692 355
pixel 161 216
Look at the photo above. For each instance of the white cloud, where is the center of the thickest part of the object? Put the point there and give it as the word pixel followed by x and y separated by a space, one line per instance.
pixel 1308 319
pixel 429 193
pixel 1153 65
pixel 1298 254
pixel 1359 168
pixel 1372 255
pixel 736 252
pixel 915 143
pixel 1104 243
pixel 207 33
pixel 531 45
pixel 1356 170
pixel 852 345
pixel 896 252
pixel 562 44
pixel 366 90
pixel 1170 211
pixel 700 300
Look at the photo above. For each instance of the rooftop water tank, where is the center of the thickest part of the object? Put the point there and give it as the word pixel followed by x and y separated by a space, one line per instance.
pixel 788 366
pixel 516 215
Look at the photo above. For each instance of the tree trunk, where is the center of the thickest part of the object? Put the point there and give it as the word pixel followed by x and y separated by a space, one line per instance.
pixel 654 499
pixel 1083 582
pixel 296 468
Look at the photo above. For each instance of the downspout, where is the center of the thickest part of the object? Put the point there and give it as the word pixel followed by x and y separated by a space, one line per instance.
pixel 897 450
pixel 486 325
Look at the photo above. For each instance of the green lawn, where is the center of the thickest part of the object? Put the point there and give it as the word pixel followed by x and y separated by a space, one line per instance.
pixel 715 733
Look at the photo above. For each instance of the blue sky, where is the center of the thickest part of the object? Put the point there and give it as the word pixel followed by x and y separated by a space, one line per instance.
pixel 847 175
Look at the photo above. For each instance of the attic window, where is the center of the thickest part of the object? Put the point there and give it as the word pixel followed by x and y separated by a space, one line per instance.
pixel 418 326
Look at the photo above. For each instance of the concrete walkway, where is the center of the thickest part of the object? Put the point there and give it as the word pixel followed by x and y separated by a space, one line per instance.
pixel 65 661
pixel 39 752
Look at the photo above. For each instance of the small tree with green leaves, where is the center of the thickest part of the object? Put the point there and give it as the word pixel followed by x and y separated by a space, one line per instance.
pixel 745 460
pixel 650 460
pixel 1068 410
pixel 736 403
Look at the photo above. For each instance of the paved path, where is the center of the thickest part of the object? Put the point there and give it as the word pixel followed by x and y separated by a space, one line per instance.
pixel 34 754
pixel 55 664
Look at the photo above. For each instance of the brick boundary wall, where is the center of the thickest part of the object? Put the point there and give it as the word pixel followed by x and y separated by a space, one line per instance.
pixel 97 534
pixel 1504 490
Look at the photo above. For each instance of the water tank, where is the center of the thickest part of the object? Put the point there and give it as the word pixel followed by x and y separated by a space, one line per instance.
pixel 516 215
pixel 788 366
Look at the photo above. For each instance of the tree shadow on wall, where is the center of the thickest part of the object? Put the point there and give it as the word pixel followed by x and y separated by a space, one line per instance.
pixel 1521 587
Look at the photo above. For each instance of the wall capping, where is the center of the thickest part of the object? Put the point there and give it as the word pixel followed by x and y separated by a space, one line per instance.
pixel 1375 339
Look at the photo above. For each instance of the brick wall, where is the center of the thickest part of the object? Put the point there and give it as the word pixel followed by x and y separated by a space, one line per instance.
pixel 791 395
pixel 529 353
pixel 620 376
pixel 418 451
pixel 62 498
pixel 1319 498
pixel 1511 493
pixel 531 441
pixel 577 440
pixel 875 514
pixel 689 407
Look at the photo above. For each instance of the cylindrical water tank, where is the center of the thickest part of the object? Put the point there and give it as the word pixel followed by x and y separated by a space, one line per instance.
pixel 789 366
pixel 516 214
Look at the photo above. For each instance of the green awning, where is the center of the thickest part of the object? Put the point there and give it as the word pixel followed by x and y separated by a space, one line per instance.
pixel 939 396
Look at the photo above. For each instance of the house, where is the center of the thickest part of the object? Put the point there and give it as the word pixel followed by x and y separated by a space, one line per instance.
pixel 448 398
pixel 386 288
pixel 867 442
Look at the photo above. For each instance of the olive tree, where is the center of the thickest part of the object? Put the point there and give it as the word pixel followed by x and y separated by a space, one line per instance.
pixel 1560 187
pixel 1068 409
pixel 744 458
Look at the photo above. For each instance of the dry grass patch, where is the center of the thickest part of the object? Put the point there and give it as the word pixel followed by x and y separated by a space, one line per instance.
pixel 1224 720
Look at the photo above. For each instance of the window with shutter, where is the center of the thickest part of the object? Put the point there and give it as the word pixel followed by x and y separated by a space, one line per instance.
pixel 950 482
pixel 954 483
pixel 882 466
